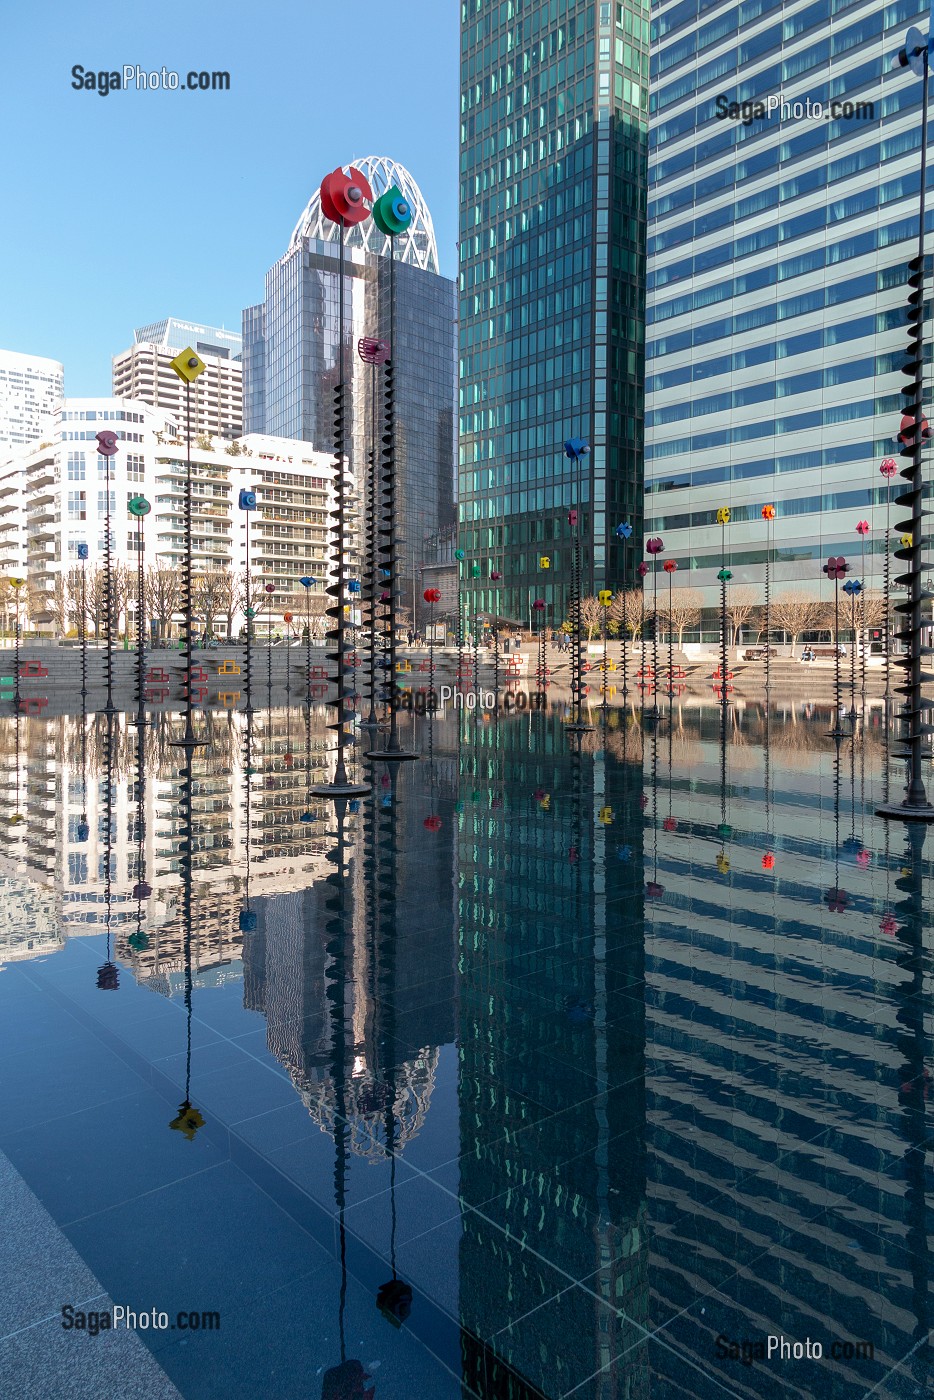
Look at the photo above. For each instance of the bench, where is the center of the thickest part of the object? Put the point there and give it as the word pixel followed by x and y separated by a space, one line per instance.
pixel 33 669
pixel 820 653
pixel 156 694
pixel 228 668
pixel 759 653
pixel 32 704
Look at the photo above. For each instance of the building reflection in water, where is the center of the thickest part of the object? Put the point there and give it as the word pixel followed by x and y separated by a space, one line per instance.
pixel 681 1067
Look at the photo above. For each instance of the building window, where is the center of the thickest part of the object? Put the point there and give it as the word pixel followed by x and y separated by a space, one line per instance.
pixel 77 505
pixel 76 466
pixel 134 467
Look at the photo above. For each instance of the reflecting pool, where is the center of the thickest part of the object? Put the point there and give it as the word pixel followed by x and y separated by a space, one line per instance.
pixel 555 1066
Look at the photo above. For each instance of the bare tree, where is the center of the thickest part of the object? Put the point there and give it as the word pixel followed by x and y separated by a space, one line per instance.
pixel 592 612
pixel 213 594
pixel 626 609
pixel 796 612
pixel 741 603
pixel 685 611
pixel 163 596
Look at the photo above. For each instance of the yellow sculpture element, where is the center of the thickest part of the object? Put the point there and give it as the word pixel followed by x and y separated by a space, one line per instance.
pixel 605 596
pixel 188 365
pixel 605 815
pixel 723 515
pixel 906 542
pixel 544 562
pixel 189 1120
pixel 17 582
pixel 723 864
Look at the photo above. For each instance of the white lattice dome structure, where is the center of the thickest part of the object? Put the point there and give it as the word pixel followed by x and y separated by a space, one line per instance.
pixel 417 246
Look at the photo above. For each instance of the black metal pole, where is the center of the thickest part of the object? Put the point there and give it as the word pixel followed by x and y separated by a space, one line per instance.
pixel 108 594
pixel 83 633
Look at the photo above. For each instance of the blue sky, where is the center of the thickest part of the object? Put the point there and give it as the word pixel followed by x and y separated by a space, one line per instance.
pixel 121 209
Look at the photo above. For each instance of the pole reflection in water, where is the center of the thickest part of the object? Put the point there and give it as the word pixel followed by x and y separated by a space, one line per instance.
pixel 189 1119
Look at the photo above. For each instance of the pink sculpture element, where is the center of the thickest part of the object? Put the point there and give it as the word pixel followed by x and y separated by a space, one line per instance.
pixel 495 574
pixel 655 545
pixel 374 352
pixel 889 466
pixel 572 517
pixel 106 442
pixel 836 567
pixel 889 925
pixel 539 604
pixel 863 858
pixel 642 569
pixel 862 527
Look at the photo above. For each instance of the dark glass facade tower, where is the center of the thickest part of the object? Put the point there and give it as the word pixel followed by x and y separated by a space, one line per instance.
pixel 554 104
pixel 290 357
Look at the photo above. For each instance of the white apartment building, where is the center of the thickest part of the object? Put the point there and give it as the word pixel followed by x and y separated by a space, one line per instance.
pixel 31 388
pixel 144 372
pixel 54 498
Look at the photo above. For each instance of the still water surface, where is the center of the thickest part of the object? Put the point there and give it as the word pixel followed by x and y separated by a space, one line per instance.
pixel 551 1068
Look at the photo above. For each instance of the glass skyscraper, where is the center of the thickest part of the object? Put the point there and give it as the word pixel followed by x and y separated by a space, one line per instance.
pixel 554 105
pixel 290 361
pixel 777 252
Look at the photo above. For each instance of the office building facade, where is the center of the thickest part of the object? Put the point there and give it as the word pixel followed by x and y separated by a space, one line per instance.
pixel 31 388
pixel 144 372
pixel 777 252
pixel 290 355
pixel 554 109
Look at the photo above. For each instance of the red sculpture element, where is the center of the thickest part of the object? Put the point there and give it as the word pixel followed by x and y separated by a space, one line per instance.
pixel 270 588
pixel 889 925
pixel 768 861
pixel 495 575
pixel 572 517
pixel 374 352
pixel 863 858
pixel 643 801
pixel 670 566
pixel 836 901
pixel 643 568
pixel 655 545
pixel 670 824
pixel 432 595
pixel 768 512
pixel 906 429
pixel 345 199
pixel 539 604
pixel 889 466
pixel 106 442
pixel 862 527
pixel 432 823
pixel 836 567
pixel 653 890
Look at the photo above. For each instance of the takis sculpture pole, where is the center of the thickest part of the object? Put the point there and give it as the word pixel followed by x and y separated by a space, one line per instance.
pixel 16 584
pixel 541 677
pixel 623 531
pixel 862 529
pixel 888 469
pixel 107 447
pixel 836 568
pixel 392 215
pixel 307 584
pixel 914 430
pixel 373 352
pixel 853 588
pixel 344 199
pixel 670 569
pixel 83 622
pixel 768 515
pixel 269 590
pixel 655 546
pixel 642 570
pixel 724 515
pixel 576 449
pixel 188 366
pixel 246 502
pixel 605 598
pixel 139 508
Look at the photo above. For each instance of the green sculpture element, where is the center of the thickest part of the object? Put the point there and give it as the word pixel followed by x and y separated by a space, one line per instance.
pixel 138 506
pixel 392 212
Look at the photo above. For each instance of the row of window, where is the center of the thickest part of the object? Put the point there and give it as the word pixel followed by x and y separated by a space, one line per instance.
pixel 92 415
pixel 800 505
pixel 774 427
pixel 772 466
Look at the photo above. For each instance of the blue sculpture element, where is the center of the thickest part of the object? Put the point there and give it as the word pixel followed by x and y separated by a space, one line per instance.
pixel 623 531
pixel 306 582
pixel 853 587
pixel 353 586
pixel 82 551
pixel 247 921
pixel 576 448
pixel 247 500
